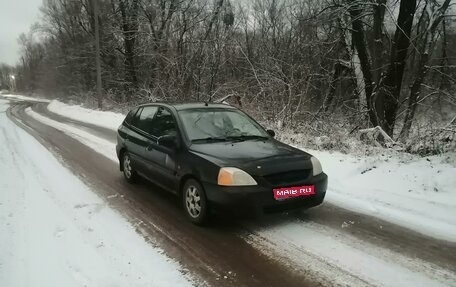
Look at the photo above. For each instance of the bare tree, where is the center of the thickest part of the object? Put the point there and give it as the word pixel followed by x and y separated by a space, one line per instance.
pixel 129 22
pixel 433 13
pixel 361 53
pixel 97 54
pixel 291 61
pixel 389 90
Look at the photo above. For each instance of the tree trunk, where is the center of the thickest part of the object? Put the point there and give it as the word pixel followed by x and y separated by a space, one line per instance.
pixel 359 42
pixel 337 71
pixel 444 83
pixel 129 15
pixel 414 97
pixel 97 54
pixel 423 68
pixel 387 95
pixel 378 51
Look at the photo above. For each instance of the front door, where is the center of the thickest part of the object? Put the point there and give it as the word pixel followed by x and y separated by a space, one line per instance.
pixel 161 160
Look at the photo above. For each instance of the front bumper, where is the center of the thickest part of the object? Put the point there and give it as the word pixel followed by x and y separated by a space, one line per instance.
pixel 259 198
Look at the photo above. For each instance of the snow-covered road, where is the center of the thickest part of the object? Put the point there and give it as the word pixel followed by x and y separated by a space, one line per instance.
pixel 54 231
pixel 347 260
pixel 413 192
pixel 327 245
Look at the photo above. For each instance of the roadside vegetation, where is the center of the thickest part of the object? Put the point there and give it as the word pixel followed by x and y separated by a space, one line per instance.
pixel 323 73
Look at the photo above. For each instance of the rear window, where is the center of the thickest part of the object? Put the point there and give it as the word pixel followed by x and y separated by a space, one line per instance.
pixel 131 114
pixel 146 117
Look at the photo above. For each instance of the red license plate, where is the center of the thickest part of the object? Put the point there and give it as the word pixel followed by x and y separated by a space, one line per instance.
pixel 295 191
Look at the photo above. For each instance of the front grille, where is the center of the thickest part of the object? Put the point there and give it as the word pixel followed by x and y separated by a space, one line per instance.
pixel 288 177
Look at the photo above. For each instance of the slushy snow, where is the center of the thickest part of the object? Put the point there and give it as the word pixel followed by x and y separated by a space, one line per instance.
pixel 417 193
pixel 343 259
pixel 24 98
pixel 413 192
pixel 54 231
pixel 98 144
pixel 109 120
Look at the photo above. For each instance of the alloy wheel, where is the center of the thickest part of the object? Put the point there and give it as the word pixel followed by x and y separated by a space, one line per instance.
pixel 193 201
pixel 127 167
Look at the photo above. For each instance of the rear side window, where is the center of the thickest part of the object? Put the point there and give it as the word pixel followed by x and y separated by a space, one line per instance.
pixel 146 117
pixel 163 124
pixel 131 114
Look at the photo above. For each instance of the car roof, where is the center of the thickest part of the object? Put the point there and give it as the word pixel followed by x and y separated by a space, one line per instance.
pixel 190 105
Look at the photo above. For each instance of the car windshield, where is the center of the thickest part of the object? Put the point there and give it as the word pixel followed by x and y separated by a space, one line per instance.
pixel 220 125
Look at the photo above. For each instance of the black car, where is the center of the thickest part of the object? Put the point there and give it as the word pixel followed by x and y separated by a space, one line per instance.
pixel 214 155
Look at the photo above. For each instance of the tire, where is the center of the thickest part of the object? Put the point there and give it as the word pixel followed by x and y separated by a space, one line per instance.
pixel 195 202
pixel 129 173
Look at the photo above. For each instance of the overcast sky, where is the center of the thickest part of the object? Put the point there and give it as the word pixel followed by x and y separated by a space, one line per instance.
pixel 16 16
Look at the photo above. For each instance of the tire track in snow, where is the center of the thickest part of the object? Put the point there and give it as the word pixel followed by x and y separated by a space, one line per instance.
pixel 343 258
pixel 217 254
pixel 373 233
pixel 371 229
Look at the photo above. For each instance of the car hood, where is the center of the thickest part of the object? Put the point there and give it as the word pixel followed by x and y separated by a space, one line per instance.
pixel 254 156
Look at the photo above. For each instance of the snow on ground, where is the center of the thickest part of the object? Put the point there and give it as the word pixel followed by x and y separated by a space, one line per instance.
pixel 54 231
pixel 342 259
pixel 25 98
pixel 100 145
pixel 417 193
pixel 104 119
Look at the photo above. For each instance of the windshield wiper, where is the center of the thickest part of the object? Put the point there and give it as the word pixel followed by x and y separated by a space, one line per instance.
pixel 247 137
pixel 231 138
pixel 210 139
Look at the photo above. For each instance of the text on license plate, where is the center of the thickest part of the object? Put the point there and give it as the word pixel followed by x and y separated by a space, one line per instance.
pixel 286 192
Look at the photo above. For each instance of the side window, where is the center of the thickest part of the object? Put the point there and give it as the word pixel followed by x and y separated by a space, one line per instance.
pixel 129 118
pixel 146 117
pixel 135 119
pixel 163 124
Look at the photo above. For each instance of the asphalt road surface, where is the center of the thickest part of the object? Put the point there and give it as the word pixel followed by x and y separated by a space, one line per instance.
pixel 218 254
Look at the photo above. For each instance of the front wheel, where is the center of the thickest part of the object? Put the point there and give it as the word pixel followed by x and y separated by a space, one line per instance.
pixel 194 201
pixel 129 173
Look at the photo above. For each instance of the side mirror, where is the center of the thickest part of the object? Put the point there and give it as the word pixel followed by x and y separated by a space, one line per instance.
pixel 168 141
pixel 271 133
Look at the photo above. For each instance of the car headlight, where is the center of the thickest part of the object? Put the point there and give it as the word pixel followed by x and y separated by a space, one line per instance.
pixel 316 166
pixel 232 176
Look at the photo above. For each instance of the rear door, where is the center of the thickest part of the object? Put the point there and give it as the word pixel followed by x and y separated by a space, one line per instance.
pixel 137 140
pixel 161 160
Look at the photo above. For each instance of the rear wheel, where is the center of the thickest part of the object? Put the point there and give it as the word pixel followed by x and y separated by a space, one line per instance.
pixel 194 201
pixel 129 173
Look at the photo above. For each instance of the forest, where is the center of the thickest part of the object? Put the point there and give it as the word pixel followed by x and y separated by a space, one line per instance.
pixel 326 68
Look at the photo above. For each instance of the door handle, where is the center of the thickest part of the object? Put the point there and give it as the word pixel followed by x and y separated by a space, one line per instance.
pixel 149 146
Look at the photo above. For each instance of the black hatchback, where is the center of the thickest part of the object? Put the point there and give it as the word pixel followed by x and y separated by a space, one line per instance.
pixel 216 156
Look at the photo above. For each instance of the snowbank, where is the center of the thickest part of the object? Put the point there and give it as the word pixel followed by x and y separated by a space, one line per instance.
pixel 24 98
pixel 417 193
pixel 339 259
pixel 55 231
pixel 100 145
pixel 104 119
